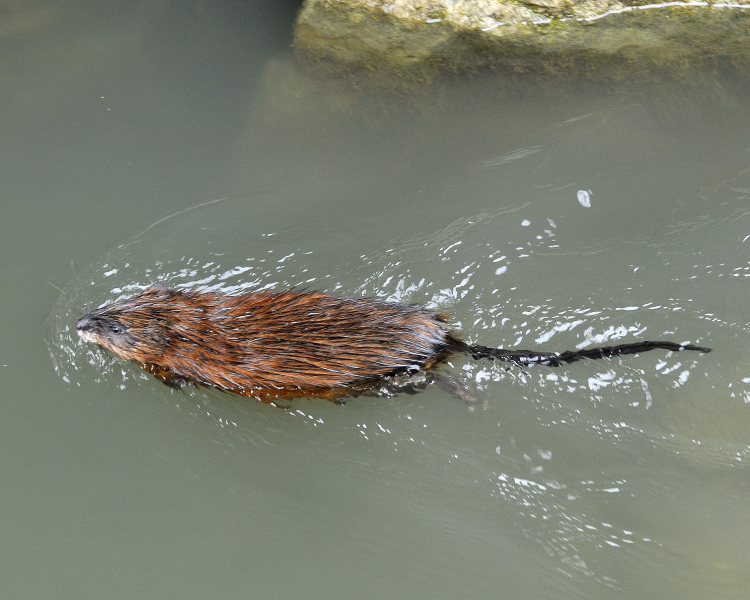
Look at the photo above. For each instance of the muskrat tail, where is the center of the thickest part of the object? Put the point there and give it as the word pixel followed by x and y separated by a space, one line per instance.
pixel 554 359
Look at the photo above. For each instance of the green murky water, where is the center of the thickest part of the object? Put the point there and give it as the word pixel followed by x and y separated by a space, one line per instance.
pixel 152 142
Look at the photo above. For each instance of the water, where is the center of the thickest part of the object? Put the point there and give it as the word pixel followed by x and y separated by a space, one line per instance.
pixel 152 142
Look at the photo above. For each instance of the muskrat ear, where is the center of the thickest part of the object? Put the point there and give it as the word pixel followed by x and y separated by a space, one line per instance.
pixel 159 286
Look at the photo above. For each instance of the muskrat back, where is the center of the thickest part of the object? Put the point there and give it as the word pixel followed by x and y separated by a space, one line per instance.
pixel 288 340
pixel 268 344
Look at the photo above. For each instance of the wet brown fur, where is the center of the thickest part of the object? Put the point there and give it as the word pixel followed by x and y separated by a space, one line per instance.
pixel 290 343
pixel 269 342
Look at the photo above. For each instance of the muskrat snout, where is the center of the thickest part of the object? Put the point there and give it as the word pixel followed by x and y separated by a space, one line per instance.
pixel 84 327
pixel 83 323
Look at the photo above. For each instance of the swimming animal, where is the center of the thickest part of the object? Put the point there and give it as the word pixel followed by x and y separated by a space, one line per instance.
pixel 295 343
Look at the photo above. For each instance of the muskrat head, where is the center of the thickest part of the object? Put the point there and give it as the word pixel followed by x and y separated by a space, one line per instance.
pixel 126 328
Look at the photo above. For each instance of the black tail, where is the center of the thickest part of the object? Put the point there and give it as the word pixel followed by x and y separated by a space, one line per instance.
pixel 553 359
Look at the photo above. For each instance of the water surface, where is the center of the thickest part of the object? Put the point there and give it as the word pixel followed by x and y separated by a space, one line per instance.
pixel 151 142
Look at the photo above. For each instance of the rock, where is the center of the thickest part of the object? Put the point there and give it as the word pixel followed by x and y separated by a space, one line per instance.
pixel 544 38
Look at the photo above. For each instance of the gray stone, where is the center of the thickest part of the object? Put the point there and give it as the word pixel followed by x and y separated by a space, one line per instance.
pixel 548 38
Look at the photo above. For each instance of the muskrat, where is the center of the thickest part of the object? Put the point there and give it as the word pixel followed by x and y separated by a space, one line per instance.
pixel 294 343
